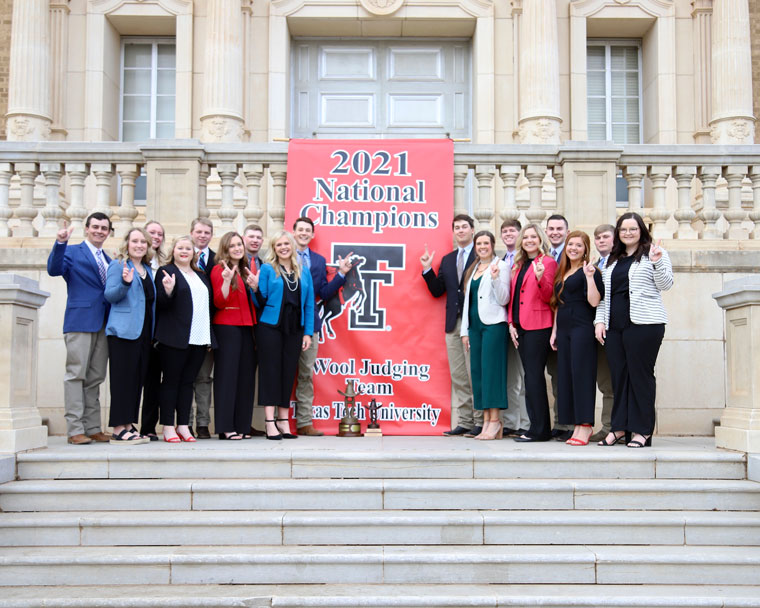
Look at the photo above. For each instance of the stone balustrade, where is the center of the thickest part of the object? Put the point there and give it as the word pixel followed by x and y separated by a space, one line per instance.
pixel 685 192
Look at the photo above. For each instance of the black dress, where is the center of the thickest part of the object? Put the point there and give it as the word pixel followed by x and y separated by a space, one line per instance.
pixel 576 350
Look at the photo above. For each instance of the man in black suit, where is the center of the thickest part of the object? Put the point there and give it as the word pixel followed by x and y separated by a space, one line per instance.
pixel 253 239
pixel 449 281
pixel 201 231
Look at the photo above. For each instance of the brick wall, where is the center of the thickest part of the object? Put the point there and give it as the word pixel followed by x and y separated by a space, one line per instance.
pixel 754 30
pixel 6 10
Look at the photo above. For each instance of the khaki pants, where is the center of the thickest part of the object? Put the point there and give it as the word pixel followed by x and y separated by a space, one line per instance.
pixel 604 383
pixel 516 415
pixel 305 384
pixel 86 366
pixel 461 382
pixel 202 387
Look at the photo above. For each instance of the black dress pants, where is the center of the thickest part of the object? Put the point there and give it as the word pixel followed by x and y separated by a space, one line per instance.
pixel 576 370
pixel 128 364
pixel 534 349
pixel 180 368
pixel 280 366
pixel 150 399
pixel 632 354
pixel 234 378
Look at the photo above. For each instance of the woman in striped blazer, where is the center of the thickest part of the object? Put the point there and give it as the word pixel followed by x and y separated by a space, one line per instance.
pixel 630 321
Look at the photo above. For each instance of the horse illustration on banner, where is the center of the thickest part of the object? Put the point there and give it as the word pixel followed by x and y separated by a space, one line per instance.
pixel 352 294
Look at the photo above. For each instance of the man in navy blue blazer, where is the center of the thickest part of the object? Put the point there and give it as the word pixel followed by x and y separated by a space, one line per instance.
pixel 83 267
pixel 303 232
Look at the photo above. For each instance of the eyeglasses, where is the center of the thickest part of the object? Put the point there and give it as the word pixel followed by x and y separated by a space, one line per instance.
pixel 629 230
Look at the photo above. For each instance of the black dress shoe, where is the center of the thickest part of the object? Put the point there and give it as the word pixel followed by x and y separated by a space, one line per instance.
pixel 460 430
pixel 562 435
pixel 474 432
pixel 255 432
pixel 529 439
pixel 509 432
pixel 202 432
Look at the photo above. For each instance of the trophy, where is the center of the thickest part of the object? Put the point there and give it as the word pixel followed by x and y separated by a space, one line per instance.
pixel 349 425
pixel 373 429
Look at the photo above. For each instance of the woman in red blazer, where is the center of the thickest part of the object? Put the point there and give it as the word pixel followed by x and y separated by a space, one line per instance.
pixel 530 323
pixel 235 357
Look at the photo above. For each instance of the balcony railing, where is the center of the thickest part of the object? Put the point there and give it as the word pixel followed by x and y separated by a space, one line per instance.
pixel 685 192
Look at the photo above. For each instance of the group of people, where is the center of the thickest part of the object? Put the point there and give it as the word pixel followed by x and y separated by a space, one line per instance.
pixel 545 306
pixel 188 321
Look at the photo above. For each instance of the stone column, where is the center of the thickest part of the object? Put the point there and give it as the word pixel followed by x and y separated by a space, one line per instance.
pixel 20 423
pixel 732 121
pixel 222 117
pixel 28 116
pixel 701 15
pixel 539 73
pixel 740 423
pixel 59 37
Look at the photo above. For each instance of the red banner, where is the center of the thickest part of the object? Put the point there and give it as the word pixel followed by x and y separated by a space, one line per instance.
pixel 383 200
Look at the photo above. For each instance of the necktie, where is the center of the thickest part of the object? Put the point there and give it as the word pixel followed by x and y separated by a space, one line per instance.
pixel 460 265
pixel 602 262
pixel 202 261
pixel 554 254
pixel 101 266
pixel 303 260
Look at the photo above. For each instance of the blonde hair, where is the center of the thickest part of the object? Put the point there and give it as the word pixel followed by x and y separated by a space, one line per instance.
pixel 272 258
pixel 543 248
pixel 160 255
pixel 124 247
pixel 185 237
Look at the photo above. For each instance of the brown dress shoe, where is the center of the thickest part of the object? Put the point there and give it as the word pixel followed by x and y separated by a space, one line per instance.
pixel 100 437
pixel 310 431
pixel 255 432
pixel 80 439
pixel 202 432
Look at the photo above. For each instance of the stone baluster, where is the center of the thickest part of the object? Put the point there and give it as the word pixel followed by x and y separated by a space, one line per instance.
pixel 509 175
pixel 684 175
pixel 127 211
pixel 52 211
pixel 77 173
pixel 710 214
pixel 558 173
pixel 28 117
pixel 484 211
pixel 253 173
pixel 732 121
pixel 279 175
pixel 754 215
pixel 6 172
pixel 103 173
pixel 735 215
pixel 203 174
pixel 25 212
pixel 535 175
pixel 634 175
pixel 659 175
pixel 460 177
pixel 227 212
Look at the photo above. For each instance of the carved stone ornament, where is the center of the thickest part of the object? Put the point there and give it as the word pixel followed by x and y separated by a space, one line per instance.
pixel 736 131
pixel 381 7
pixel 539 131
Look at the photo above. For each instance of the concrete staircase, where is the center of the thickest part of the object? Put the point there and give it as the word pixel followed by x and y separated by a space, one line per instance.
pixel 399 521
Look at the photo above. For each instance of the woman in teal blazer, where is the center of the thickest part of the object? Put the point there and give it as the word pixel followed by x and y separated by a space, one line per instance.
pixel 129 330
pixel 286 297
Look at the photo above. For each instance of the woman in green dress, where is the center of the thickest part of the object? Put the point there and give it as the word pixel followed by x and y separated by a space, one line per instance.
pixel 484 332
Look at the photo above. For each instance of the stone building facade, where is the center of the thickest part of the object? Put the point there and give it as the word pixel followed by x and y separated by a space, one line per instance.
pixel 170 109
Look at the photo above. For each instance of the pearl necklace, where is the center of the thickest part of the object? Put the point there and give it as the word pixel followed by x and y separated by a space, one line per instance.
pixel 292 284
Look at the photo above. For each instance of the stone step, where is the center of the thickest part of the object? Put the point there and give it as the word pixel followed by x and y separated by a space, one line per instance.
pixel 208 528
pixel 508 461
pixel 383 596
pixel 392 494
pixel 540 564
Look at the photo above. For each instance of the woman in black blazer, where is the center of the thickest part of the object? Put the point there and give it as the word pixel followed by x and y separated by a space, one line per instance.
pixel 184 335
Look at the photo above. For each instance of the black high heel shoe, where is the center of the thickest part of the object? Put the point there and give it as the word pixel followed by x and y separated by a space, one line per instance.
pixel 637 444
pixel 625 437
pixel 272 437
pixel 285 435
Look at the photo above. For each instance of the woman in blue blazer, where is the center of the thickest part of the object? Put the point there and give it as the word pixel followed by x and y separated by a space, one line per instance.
pixel 129 330
pixel 286 298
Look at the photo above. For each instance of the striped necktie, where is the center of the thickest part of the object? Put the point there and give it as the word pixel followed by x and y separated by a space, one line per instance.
pixel 101 266
pixel 202 261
